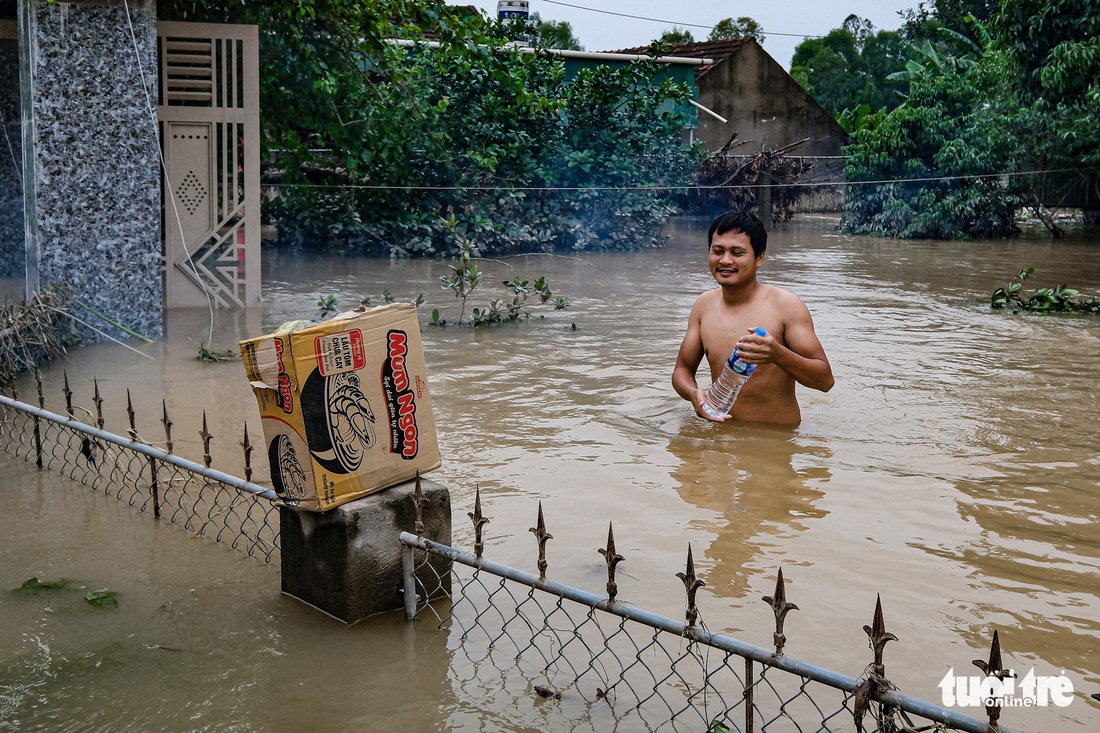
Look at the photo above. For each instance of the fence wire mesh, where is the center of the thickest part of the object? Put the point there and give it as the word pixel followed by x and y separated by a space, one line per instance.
pixel 201 500
pixel 627 669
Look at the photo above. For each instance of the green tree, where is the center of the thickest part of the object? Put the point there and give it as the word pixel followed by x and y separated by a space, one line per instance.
pixel 554 34
pixel 850 66
pixel 676 35
pixel 392 139
pixel 944 152
pixel 1057 53
pixel 730 28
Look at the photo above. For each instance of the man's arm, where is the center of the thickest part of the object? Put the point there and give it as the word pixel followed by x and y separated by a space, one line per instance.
pixel 687 364
pixel 803 357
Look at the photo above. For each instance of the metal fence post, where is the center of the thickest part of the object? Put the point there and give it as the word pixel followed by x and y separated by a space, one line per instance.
pixel 408 563
pixel 749 683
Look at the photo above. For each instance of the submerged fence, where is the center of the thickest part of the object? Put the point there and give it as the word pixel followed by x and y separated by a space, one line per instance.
pixel 649 672
pixel 199 498
pixel 622 665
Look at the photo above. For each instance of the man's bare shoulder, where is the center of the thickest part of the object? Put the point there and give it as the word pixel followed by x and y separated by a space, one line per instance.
pixel 784 300
pixel 708 300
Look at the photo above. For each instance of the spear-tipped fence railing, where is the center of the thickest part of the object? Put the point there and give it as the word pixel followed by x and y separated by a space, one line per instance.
pixel 645 671
pixel 649 672
pixel 199 498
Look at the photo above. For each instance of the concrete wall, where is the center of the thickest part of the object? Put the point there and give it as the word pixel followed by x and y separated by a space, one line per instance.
pixel 763 104
pixel 12 256
pixel 92 177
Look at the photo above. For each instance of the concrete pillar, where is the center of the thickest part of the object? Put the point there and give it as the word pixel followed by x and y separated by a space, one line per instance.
pixel 91 157
pixel 12 256
pixel 347 561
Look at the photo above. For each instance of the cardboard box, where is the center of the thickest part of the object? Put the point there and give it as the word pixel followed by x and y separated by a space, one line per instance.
pixel 344 405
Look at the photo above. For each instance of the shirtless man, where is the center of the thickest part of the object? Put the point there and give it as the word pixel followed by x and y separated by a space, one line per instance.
pixel 726 317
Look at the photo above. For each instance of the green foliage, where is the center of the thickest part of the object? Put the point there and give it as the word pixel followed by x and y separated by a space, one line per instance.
pixel 102 598
pixel 466 276
pixel 942 154
pixel 850 66
pixel 1023 98
pixel 34 586
pixel 730 28
pixel 675 35
pixel 205 354
pixel 376 141
pixel 853 120
pixel 500 311
pixel 1059 299
pixel 327 305
pixel 554 34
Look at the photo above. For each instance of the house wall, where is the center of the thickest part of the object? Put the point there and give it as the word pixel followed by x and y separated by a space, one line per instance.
pixel 12 255
pixel 92 176
pixel 764 105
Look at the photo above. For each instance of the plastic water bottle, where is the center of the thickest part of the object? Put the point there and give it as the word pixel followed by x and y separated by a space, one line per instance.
pixel 721 395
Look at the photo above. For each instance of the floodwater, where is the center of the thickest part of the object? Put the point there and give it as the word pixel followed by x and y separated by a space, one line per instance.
pixel 953 470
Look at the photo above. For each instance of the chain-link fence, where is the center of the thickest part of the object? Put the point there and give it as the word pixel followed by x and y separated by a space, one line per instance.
pixel 203 500
pixel 629 669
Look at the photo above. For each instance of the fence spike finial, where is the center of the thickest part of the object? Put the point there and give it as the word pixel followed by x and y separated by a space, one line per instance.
pixel 38 382
pixel 98 405
pixel 68 396
pixel 878 636
pixel 130 413
pixel 541 536
pixel 691 584
pixel 612 558
pixel 11 382
pixel 246 445
pixel 418 503
pixel 994 668
pixel 206 438
pixel 479 521
pixel 167 422
pixel 780 607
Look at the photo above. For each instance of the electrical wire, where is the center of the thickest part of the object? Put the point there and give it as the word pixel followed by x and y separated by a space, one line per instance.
pixel 659 187
pixel 658 20
pixel 11 149
pixel 155 120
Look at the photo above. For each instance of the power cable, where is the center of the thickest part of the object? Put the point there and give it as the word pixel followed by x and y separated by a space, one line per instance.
pixel 11 149
pixel 660 187
pixel 673 22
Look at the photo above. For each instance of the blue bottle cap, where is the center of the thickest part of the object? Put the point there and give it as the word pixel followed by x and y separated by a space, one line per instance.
pixel 739 366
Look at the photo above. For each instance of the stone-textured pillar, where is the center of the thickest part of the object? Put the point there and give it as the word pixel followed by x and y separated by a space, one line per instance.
pixel 12 257
pixel 347 561
pixel 91 157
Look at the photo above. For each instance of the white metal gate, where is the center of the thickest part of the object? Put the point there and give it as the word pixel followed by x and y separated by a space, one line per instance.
pixel 209 111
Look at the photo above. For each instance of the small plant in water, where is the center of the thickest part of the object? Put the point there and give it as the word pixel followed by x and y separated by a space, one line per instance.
pixel 33 586
pixel 102 598
pixel 465 277
pixel 1059 299
pixel 205 354
pixel 326 306
pixel 500 311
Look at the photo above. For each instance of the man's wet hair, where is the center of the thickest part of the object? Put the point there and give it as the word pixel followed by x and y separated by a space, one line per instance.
pixel 743 222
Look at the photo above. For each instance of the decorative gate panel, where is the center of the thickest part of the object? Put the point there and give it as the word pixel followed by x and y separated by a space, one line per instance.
pixel 210 134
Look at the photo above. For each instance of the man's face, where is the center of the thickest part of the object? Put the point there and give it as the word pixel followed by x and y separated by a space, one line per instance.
pixel 731 259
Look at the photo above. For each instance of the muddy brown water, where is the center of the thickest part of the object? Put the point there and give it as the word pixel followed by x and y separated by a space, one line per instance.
pixel 953 470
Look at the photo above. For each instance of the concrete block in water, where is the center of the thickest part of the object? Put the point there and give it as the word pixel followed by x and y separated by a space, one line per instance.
pixel 347 561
